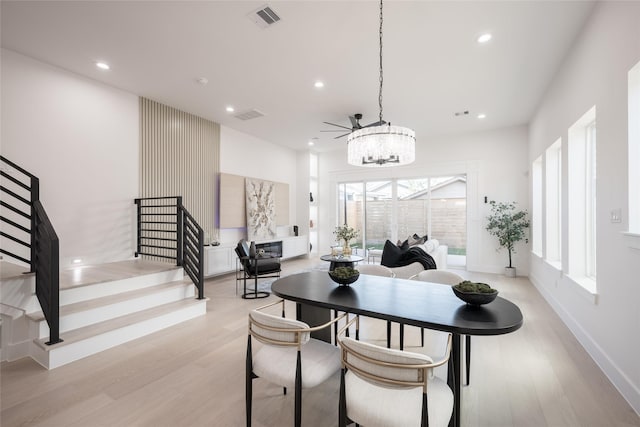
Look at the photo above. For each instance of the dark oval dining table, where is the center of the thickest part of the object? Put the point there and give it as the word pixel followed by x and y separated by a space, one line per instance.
pixel 409 302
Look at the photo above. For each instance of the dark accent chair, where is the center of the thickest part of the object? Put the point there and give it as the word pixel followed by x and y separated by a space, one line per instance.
pixel 264 266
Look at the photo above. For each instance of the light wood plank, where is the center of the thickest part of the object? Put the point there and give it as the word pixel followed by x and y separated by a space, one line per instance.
pixel 192 374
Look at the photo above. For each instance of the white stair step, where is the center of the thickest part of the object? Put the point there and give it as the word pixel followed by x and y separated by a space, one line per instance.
pixel 109 272
pixel 102 289
pixel 83 342
pixel 89 312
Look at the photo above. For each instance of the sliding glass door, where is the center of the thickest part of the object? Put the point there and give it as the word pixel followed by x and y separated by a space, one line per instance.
pixel 413 207
pixel 395 209
pixel 378 213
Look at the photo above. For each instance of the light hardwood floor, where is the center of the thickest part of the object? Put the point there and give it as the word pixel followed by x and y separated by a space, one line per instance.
pixel 193 375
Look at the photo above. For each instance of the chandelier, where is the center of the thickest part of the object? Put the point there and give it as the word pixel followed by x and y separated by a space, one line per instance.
pixel 383 144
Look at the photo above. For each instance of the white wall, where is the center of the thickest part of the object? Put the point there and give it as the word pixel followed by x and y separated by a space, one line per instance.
pixel 496 166
pixel 80 137
pixel 246 155
pixel 595 73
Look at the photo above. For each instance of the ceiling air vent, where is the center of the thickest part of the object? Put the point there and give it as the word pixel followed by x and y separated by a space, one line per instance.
pixel 264 16
pixel 248 115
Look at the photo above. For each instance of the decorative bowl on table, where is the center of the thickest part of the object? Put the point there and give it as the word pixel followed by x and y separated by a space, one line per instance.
pixel 344 275
pixel 474 293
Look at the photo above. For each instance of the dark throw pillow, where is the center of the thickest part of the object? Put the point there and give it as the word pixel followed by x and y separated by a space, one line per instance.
pixel 391 254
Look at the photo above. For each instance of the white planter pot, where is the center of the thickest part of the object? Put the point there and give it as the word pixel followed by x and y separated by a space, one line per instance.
pixel 510 271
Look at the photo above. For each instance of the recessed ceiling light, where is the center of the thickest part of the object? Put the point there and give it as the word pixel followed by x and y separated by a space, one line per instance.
pixel 202 80
pixel 230 109
pixel 102 65
pixel 482 116
pixel 319 84
pixel 77 261
pixel 311 143
pixel 483 38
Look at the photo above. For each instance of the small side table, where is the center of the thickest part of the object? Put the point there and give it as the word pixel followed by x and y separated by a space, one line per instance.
pixel 341 260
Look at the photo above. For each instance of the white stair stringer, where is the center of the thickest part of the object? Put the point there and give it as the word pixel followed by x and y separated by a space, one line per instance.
pixel 96 310
pixel 89 340
pixel 20 292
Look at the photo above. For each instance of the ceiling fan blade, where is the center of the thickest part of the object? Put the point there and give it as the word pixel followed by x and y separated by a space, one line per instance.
pixel 378 123
pixel 332 130
pixel 340 126
pixel 338 137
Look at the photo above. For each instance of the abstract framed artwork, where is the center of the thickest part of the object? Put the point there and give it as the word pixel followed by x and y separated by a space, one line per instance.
pixel 261 209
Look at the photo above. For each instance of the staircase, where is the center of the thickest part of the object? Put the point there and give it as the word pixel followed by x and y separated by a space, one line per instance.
pixel 100 307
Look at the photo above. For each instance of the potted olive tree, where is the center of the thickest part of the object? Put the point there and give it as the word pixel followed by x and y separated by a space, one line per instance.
pixel 508 225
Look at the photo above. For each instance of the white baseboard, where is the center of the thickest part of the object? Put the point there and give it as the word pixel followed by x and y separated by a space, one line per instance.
pixel 485 269
pixel 618 378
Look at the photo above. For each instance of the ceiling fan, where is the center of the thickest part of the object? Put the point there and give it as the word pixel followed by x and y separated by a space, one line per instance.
pixel 355 125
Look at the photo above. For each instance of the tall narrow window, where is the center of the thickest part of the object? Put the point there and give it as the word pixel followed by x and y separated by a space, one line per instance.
pixel 634 149
pixel 536 217
pixel 582 201
pixel 590 202
pixel 313 204
pixel 553 205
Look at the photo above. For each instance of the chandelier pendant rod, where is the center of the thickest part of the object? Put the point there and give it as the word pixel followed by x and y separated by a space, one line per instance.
pixel 380 144
pixel 381 73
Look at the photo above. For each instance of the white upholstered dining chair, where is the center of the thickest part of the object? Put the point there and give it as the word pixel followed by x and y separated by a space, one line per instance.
pixel 288 356
pixel 375 270
pixel 381 387
pixel 378 270
pixel 446 278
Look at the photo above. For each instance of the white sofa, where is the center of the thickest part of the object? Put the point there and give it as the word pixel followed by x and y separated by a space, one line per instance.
pixel 432 247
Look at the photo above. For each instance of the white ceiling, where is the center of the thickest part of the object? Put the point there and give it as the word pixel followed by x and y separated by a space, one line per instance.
pixel 433 66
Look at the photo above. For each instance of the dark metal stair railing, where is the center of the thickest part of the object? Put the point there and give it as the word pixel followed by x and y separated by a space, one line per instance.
pixel 22 207
pixel 193 251
pixel 165 229
pixel 48 271
pixel 44 246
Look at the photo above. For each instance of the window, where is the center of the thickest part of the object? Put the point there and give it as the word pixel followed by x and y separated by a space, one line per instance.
pixel 313 205
pixel 397 208
pixel 590 200
pixel 350 208
pixel 378 213
pixel 582 201
pixel 634 150
pixel 414 196
pixel 553 205
pixel 536 217
pixel 448 215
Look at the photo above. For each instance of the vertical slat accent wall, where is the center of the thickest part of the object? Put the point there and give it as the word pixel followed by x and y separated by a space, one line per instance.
pixel 180 156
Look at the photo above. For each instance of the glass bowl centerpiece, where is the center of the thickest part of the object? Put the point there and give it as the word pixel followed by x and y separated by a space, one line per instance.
pixel 344 275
